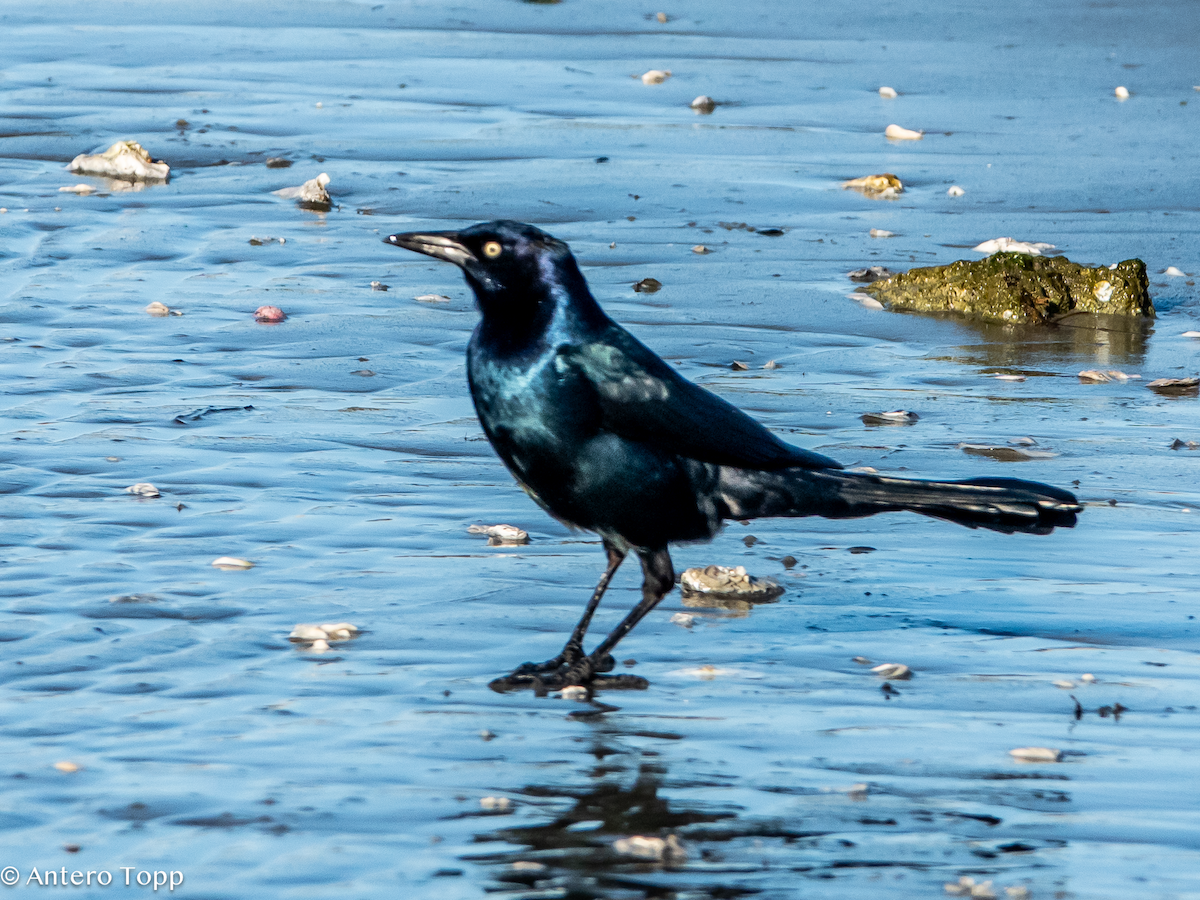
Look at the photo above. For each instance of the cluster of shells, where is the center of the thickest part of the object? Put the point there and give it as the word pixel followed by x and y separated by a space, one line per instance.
pixel 318 637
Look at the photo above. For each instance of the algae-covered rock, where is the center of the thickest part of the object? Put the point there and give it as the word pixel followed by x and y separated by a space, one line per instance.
pixel 1015 288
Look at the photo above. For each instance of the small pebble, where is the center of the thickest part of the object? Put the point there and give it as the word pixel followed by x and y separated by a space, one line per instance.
pixel 278 162
pixel 574 692
pixel 378 286
pixel 704 104
pixel 500 534
pixel 1122 92
pixel 158 309
pixel 230 563
pixel 656 76
pixel 143 489
pixel 647 286
pixel 888 92
pixel 701 249
pixel 898 133
pixel 432 298
pixel 1036 754
pixel 687 620
pixel 880 233
pixel 66 766
pixel 893 671
pixel 955 191
pixel 269 315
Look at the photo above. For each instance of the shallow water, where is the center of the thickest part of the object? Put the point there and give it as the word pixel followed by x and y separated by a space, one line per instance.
pixel 210 745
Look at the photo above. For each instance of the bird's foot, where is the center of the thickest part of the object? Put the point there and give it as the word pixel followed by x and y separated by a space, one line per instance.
pixel 582 672
pixel 571 655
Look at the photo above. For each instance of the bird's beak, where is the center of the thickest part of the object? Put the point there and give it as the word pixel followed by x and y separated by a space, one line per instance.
pixel 439 244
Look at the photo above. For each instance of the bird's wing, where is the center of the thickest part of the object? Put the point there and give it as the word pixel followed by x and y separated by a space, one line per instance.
pixel 642 398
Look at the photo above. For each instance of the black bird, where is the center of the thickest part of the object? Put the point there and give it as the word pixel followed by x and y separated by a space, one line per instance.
pixel 607 437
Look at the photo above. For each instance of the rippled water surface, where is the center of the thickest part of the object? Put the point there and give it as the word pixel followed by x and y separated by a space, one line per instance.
pixel 338 451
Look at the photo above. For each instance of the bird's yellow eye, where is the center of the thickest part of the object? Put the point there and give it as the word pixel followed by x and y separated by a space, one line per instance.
pixel 492 249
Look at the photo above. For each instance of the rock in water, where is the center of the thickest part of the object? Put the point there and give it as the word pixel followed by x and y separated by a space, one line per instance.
pixel 1015 288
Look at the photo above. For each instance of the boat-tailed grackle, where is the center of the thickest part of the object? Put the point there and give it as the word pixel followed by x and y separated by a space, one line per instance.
pixel 607 437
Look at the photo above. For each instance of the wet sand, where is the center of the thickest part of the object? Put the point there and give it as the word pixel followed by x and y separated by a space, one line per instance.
pixel 338 451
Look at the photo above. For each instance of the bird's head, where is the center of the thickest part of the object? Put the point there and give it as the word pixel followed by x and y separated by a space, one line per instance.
pixel 515 270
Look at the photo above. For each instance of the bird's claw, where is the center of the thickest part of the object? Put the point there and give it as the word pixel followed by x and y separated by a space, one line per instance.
pixel 570 657
pixel 582 671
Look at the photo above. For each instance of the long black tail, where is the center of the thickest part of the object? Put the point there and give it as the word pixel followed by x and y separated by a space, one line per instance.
pixel 1001 504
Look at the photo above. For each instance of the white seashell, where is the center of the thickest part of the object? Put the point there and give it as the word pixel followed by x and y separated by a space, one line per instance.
pixel 232 562
pixel 1036 754
pixel 432 298
pixel 311 192
pixel 307 633
pixel 893 671
pixel 1170 270
pixel 1009 245
pixel 1122 92
pixel 656 76
pixel 880 233
pixel 500 534
pixel 868 302
pixel 126 160
pixel 1088 678
pixel 158 309
pixel 495 803
pixel 77 189
pixel 701 249
pixel 319 646
pixel 1065 685
pixel 898 133
pixel 143 489
pixel 68 767
pixel 1192 334
pixel 1009 377
pixel 574 692
pixel 1103 291
pixel 955 191
pixel 889 93
pixel 687 620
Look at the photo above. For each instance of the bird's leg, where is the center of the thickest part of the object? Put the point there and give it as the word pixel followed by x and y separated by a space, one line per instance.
pixel 572 652
pixel 657 581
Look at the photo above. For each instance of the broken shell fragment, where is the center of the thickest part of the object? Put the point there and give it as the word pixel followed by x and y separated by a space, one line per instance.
pixel 661 18
pixel 77 189
pixel 230 563
pixel 955 191
pixel 574 692
pixel 1005 454
pixel 1122 92
pixel 1009 245
pixel 1175 387
pixel 125 160
pixel 893 671
pixel 647 286
pixel 378 286
pixel 67 766
pixel 1192 334
pixel 1087 678
pixel 891 417
pixel 899 133
pixel 1036 754
pixel 269 315
pixel 738 366
pixel 655 76
pixel 729 582
pixel 318 637
pixel 1169 270
pixel 310 195
pixel 880 233
pixel 496 803
pixel 1095 376
pixel 686 620
pixel 651 847
pixel 884 187
pixel 143 489
pixel 888 92
pixel 278 162
pixel 701 249
pixel 500 534
pixel 158 309
pixel 432 298
pixel 1103 291
pixel 704 104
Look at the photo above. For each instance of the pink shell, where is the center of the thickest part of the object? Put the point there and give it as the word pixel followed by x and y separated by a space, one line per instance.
pixel 269 315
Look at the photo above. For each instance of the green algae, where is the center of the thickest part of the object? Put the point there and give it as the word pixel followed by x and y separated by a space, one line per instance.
pixel 1015 288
